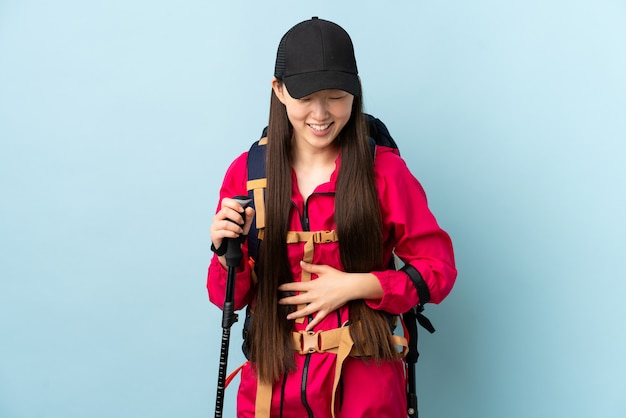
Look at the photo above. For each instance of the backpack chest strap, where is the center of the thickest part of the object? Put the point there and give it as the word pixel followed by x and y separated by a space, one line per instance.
pixel 310 239
pixel 337 341
pixel 342 344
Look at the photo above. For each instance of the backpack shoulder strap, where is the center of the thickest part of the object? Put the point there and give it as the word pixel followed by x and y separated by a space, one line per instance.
pixel 257 182
pixel 379 133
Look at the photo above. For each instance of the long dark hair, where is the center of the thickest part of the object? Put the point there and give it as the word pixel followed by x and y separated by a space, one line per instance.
pixel 359 228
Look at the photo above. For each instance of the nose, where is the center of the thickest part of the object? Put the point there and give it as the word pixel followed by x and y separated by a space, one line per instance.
pixel 319 109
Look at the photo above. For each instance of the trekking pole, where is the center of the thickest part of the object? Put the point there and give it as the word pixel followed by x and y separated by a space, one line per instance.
pixel 411 359
pixel 411 318
pixel 229 317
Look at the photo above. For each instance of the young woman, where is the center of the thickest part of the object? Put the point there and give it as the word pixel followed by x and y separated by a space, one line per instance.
pixel 320 336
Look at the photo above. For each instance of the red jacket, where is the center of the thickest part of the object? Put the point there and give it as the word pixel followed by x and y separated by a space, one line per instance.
pixel 409 229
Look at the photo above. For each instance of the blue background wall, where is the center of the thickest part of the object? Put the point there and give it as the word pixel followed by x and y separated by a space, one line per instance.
pixel 118 119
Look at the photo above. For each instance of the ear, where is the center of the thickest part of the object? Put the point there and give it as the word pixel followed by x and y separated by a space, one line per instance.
pixel 279 89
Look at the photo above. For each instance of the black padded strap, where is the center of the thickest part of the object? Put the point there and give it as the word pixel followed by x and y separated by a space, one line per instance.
pixel 418 282
pixel 256 170
pixel 221 250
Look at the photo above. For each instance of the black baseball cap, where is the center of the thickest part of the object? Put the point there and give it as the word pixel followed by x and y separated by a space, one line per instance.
pixel 316 55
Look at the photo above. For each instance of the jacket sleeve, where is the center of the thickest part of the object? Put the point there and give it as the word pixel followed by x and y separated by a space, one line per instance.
pixel 234 184
pixel 411 231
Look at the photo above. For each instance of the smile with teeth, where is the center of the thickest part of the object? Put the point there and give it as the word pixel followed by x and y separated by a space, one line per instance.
pixel 320 128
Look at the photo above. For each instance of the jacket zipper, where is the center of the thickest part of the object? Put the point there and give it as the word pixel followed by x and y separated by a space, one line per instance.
pixel 305 374
pixel 282 395
pixel 306 226
pixel 304 220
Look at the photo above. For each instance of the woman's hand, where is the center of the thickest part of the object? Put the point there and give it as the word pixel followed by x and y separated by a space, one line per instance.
pixel 328 292
pixel 229 223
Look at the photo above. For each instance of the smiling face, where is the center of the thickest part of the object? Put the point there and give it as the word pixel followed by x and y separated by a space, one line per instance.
pixel 317 118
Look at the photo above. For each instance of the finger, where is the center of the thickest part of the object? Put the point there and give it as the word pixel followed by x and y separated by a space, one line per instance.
pixel 308 267
pixel 232 215
pixel 300 299
pixel 249 219
pixel 295 287
pixel 312 268
pixel 221 229
pixel 231 209
pixel 302 313
pixel 227 202
pixel 227 218
pixel 318 318
pixel 226 228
